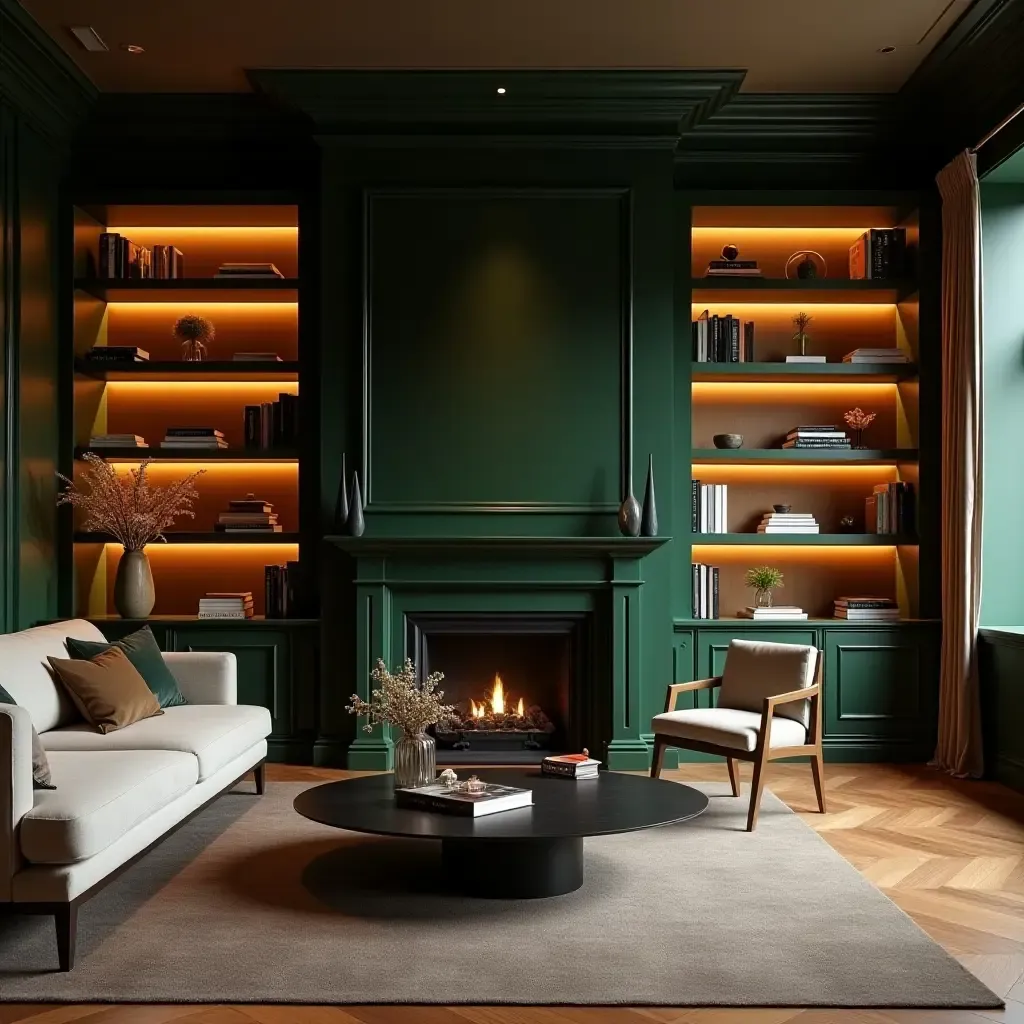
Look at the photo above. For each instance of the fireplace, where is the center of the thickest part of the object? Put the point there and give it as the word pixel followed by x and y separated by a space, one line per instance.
pixel 512 677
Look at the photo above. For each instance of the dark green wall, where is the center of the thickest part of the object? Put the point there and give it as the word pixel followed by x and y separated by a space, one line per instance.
pixel 1001 670
pixel 1002 595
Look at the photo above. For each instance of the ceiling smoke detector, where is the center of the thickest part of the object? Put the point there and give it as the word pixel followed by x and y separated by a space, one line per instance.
pixel 89 38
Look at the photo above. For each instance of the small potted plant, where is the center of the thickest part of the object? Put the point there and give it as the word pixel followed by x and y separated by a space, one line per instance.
pixel 763 579
pixel 195 334
pixel 400 701
pixel 800 324
pixel 134 512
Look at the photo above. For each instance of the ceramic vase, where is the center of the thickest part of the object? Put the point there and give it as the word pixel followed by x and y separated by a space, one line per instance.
pixel 649 517
pixel 415 760
pixel 355 523
pixel 629 515
pixel 341 504
pixel 134 594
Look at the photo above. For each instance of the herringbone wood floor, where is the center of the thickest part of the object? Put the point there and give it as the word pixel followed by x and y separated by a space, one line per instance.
pixel 950 853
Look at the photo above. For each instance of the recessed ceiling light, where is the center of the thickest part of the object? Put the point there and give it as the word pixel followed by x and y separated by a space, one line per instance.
pixel 886 49
pixel 501 90
pixel 133 48
pixel 89 38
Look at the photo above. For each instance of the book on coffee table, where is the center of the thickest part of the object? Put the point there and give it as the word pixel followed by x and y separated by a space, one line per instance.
pixel 570 766
pixel 491 799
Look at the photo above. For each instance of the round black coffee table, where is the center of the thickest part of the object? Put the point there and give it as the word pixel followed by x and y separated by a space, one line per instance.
pixel 529 852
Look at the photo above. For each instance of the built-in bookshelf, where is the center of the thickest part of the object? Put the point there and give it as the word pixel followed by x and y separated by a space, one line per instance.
pixel 146 398
pixel 764 398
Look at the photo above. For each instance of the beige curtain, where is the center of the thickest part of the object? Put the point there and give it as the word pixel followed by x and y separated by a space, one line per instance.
pixel 959 742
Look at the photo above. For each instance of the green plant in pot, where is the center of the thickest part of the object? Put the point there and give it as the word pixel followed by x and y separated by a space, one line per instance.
pixel 132 511
pixel 763 579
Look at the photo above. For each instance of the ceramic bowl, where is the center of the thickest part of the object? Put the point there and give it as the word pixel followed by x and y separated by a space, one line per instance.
pixel 728 440
pixel 782 509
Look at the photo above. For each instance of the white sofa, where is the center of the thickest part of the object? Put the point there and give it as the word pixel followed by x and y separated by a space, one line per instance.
pixel 117 794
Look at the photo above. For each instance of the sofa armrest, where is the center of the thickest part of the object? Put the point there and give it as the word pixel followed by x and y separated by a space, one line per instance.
pixel 205 677
pixel 16 796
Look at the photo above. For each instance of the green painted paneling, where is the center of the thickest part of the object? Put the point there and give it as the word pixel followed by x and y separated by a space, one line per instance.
pixel 496 325
pixel 1001 669
pixel 1002 597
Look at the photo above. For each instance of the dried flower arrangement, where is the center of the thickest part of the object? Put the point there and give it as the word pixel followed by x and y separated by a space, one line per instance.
pixel 859 420
pixel 800 324
pixel 195 333
pixel 128 508
pixel 399 700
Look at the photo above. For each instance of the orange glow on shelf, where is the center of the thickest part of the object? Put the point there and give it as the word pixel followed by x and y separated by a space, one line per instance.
pixel 172 468
pixel 823 554
pixel 799 235
pixel 226 552
pixel 836 475
pixel 228 307
pixel 212 231
pixel 830 391
pixel 860 310
pixel 208 389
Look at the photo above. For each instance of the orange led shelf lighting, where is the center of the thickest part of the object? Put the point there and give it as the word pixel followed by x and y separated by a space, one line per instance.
pixel 783 391
pixel 807 475
pixel 824 554
pixel 231 389
pixel 227 307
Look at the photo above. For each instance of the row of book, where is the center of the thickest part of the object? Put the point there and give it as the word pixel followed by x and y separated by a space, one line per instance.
pixel 709 507
pixel 121 259
pixel 810 435
pixel 889 508
pixel 704 590
pixel 248 515
pixel 722 339
pixel 880 254
pixel 272 424
pixel 279 590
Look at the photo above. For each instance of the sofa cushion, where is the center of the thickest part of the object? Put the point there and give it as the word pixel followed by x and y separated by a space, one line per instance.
pixel 214 733
pixel 755 669
pixel 40 766
pixel 144 653
pixel 725 727
pixel 26 676
pixel 101 796
pixel 107 689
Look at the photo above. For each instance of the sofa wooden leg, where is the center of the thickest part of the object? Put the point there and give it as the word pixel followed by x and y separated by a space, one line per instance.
pixel 658 758
pixel 260 776
pixel 65 918
pixel 734 775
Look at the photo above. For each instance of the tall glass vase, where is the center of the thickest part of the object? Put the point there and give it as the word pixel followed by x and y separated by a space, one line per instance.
pixel 415 760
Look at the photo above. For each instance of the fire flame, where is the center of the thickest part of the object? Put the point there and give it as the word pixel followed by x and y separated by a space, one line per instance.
pixel 519 708
pixel 496 702
pixel 498 696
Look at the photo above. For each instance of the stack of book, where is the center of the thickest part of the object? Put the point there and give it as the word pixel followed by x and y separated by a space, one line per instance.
pixel 879 254
pixel 117 354
pixel 239 271
pixel 733 268
pixel 806 359
pixel 117 441
pixel 278 593
pixel 810 435
pixel 704 590
pixel 226 605
pixel 248 515
pixel 782 611
pixel 121 259
pixel 256 357
pixel 788 522
pixel 488 799
pixel 876 355
pixel 273 424
pixel 709 507
pixel 890 509
pixel 570 766
pixel 194 438
pixel 722 339
pixel 867 609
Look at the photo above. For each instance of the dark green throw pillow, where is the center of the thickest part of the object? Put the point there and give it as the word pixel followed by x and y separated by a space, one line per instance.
pixel 40 765
pixel 142 650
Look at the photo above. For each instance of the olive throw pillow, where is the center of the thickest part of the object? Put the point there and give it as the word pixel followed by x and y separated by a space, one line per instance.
pixel 40 765
pixel 107 689
pixel 144 653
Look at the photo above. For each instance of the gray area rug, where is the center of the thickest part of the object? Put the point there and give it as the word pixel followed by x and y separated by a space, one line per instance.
pixel 251 903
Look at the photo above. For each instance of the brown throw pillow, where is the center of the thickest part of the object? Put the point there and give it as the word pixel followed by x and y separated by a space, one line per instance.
pixel 107 689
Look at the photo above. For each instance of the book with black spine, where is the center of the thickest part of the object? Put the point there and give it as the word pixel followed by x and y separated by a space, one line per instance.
pixel 492 799
pixel 714 592
pixel 570 766
pixel 695 506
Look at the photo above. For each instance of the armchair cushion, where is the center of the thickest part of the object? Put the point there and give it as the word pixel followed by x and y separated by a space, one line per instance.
pixel 756 669
pixel 728 727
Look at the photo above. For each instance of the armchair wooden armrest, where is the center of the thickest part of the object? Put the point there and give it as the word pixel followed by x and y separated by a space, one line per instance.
pixel 787 698
pixel 674 689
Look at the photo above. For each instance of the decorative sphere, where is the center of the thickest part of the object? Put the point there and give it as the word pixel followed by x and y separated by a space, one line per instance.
pixel 730 252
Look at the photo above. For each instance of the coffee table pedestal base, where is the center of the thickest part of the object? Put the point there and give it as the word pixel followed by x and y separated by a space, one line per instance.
pixel 513 869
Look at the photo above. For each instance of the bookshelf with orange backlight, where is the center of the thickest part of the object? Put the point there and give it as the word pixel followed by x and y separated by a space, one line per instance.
pixel 880 677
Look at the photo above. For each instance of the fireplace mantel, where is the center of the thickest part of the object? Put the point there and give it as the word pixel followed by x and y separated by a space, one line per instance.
pixel 562 547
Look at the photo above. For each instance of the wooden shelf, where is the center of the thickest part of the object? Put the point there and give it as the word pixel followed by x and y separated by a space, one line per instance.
pixel 802 373
pixel 774 289
pixel 194 620
pixel 775 539
pixel 192 289
pixel 197 537
pixel 192 455
pixel 812 621
pixel 809 456
pixel 171 370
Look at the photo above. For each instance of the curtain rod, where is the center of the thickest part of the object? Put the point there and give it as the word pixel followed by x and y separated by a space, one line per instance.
pixel 998 128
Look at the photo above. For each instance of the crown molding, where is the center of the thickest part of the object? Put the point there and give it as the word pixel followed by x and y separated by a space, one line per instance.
pixel 37 77
pixel 585 104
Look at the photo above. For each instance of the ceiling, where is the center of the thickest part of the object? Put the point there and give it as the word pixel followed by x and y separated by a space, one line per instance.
pixel 786 45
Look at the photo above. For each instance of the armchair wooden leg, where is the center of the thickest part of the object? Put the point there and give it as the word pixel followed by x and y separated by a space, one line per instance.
pixel 659 756
pixel 260 777
pixel 734 775
pixel 65 918
pixel 818 771
pixel 756 786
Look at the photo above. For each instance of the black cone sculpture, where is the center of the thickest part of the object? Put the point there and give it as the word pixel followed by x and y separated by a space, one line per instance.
pixel 356 523
pixel 649 519
pixel 341 505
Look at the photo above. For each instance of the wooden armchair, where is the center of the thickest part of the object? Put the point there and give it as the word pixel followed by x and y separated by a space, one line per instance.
pixel 769 706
